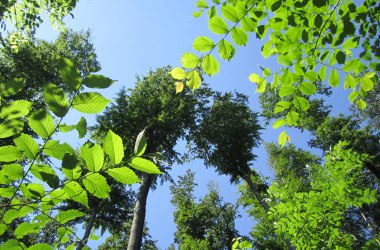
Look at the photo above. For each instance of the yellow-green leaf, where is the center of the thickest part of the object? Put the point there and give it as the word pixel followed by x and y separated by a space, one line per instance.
pixel 210 65
pixel 178 73
pixel 189 60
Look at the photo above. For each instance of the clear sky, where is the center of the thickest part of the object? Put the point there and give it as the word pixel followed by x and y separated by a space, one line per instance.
pixel 132 37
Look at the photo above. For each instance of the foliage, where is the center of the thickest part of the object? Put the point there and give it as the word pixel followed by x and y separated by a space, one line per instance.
pixel 207 224
pixel 33 188
pixel 320 51
pixel 228 132
pixel 313 218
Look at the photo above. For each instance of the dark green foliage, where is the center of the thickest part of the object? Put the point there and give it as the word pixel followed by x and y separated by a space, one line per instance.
pixel 207 224
pixel 228 133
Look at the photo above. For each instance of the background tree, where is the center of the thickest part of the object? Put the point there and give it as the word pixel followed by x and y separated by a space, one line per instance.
pixel 153 106
pixel 207 224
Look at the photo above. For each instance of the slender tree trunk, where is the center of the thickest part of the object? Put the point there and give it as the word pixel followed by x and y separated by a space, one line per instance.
pixel 261 200
pixel 135 238
pixel 89 227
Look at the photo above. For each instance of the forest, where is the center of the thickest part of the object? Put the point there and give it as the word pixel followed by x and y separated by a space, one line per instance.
pixel 82 155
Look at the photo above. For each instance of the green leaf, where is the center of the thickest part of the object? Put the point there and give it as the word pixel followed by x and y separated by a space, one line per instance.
pixel 322 73
pixel 40 246
pixel 76 192
pixel 226 50
pixel 212 12
pixel 140 144
pixel 218 25
pixel 81 127
pixel 93 155
pixel 33 190
pixel 97 81
pixel 247 244
pixel 261 85
pixel 301 103
pixel 352 96
pixel 10 128
pixel 279 123
pixel 178 73
pixel 311 76
pixel 123 175
pixel 15 109
pixel 42 123
pixel 10 153
pixel 239 36
pixel 97 185
pixel 197 13
pixel 210 65
pixel 281 106
pixel 307 88
pixel 189 60
pixel 334 78
pixel 361 104
pixel 12 87
pixel 13 172
pixel 286 90
pixel 69 215
pixel 144 165
pixel 26 228
pixel 12 245
pixel 282 138
pixel 229 13
pixel 351 43
pixel 7 192
pixel 56 100
pixel 193 79
pixel 28 145
pixel 255 78
pixel 54 149
pixel 369 75
pixel 90 102
pixel 46 174
pixel 3 228
pixel 70 74
pixel 366 84
pixel 292 118
pixel 202 4
pixel 113 147
pixel 202 44
pixel 350 82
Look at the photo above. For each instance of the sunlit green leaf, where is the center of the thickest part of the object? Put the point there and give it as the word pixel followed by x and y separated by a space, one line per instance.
pixel 10 128
pixel 301 103
pixel 144 165
pixel 12 171
pixel 361 104
pixel 193 79
pixel 292 118
pixel 90 102
pixel 350 82
pixel 123 175
pixel 334 78
pixel 97 81
pixel 70 74
pixel 76 192
pixel 366 84
pixel 210 65
pixel 282 138
pixel 15 109
pixel 352 96
pixel 46 174
pixel 286 90
pixel 226 50
pixel 311 76
pixel 40 246
pixel 113 147
pixel 281 106
pixel 229 13
pixel 202 44
pixel 97 185
pixel 189 60
pixel 239 36
pixel 68 215
pixel 218 25
pixel 26 228
pixel 28 145
pixel 54 149
pixel 307 88
pixel 178 73
pixel 9 153
pixel 94 156
pixel 202 4
pixel 248 24
pixel 56 100
pixel 42 123
pixel 279 123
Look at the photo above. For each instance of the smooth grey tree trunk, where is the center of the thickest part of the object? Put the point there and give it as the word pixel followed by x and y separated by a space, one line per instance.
pixel 89 227
pixel 135 238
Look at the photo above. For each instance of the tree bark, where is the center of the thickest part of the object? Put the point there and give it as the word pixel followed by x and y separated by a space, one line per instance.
pixel 262 202
pixel 137 228
pixel 89 227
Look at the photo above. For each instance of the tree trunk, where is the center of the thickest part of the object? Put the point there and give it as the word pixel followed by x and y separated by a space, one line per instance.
pixel 137 228
pixel 89 227
pixel 262 202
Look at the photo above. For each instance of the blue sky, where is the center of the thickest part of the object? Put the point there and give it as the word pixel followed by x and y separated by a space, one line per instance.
pixel 132 37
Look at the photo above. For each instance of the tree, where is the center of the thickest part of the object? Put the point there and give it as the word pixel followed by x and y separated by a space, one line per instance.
pixel 153 106
pixel 207 224
pixel 120 237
